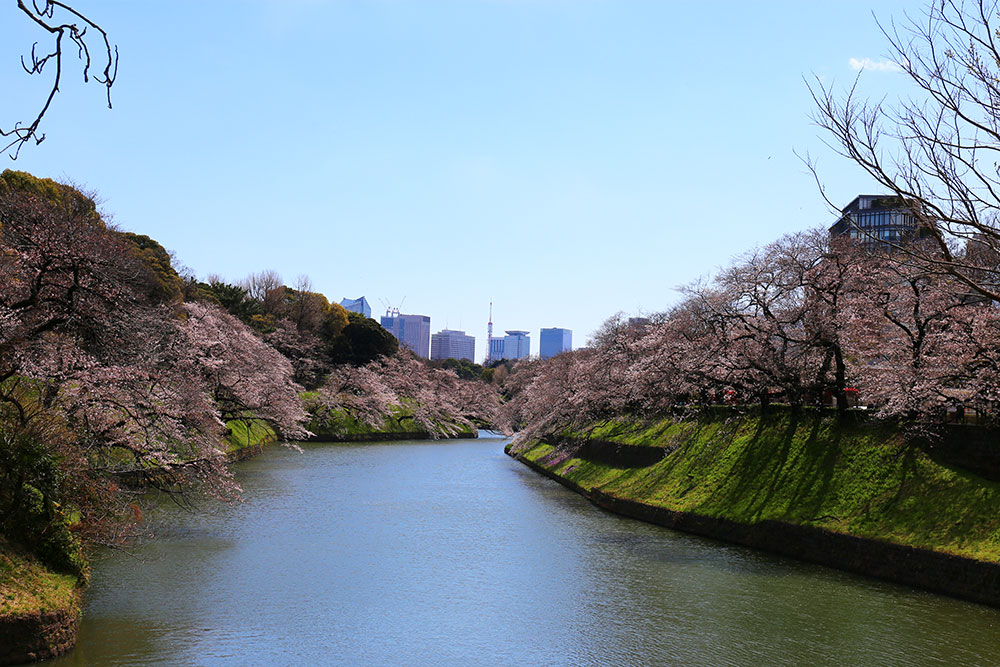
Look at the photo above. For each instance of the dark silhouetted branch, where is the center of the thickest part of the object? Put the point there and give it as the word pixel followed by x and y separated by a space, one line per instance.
pixel 75 29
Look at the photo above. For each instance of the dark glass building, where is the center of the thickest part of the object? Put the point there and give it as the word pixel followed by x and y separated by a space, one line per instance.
pixel 876 220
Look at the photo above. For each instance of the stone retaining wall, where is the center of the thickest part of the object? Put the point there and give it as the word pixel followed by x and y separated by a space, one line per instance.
pixel 244 453
pixel 37 637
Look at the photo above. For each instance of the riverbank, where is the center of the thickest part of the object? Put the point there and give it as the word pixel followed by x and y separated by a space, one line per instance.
pixel 846 493
pixel 39 609
pixel 341 426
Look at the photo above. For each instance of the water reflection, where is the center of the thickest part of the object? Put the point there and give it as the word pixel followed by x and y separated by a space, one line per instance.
pixel 453 554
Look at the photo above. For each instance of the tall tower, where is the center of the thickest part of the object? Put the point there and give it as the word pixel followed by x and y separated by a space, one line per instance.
pixel 489 333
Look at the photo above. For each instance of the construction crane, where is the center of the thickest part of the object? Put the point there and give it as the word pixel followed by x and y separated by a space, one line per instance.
pixel 390 310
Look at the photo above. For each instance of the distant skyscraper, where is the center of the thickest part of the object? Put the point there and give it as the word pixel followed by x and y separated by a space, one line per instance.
pixel 359 305
pixel 554 341
pixel 516 345
pixel 412 331
pixel 496 349
pixel 450 344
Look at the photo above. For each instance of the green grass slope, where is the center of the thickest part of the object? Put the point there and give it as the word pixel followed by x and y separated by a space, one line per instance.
pixel 244 433
pixel 341 425
pixel 847 476
pixel 27 587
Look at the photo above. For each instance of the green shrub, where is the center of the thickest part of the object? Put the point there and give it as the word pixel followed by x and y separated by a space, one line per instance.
pixel 43 528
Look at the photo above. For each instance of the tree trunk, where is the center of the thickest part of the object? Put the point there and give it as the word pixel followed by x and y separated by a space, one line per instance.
pixel 841 381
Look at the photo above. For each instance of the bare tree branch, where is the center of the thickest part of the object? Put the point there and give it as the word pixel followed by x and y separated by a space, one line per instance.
pixel 74 29
pixel 938 150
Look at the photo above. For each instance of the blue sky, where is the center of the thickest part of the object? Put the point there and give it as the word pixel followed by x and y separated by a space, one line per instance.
pixel 567 158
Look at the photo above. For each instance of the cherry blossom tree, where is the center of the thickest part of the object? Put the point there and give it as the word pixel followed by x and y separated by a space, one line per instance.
pixel 769 322
pixel 100 382
pixel 402 387
pixel 358 391
pixel 550 396
pixel 86 368
pixel 914 335
pixel 245 377
pixel 439 400
pixel 305 350
pixel 612 381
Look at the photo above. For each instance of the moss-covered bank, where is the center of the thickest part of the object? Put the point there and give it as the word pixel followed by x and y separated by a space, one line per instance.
pixel 247 437
pixel 39 608
pixel 843 492
pixel 341 426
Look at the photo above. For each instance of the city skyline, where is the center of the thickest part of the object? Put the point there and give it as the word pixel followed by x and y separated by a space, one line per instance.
pixel 479 331
pixel 395 319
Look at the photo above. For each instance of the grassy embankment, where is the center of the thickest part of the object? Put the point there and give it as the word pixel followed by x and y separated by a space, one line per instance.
pixel 39 608
pixel 248 433
pixel 341 426
pixel 846 476
pixel 27 587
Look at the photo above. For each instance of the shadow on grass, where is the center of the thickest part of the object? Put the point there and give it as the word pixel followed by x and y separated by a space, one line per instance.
pixel 783 470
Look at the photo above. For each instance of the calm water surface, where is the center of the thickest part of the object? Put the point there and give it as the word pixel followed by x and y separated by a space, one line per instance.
pixel 453 554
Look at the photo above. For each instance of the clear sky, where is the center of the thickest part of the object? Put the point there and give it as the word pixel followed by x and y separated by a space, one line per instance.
pixel 567 158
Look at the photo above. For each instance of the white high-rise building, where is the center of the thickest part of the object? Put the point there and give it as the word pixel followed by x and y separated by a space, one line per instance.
pixel 516 345
pixel 451 344
pixel 412 331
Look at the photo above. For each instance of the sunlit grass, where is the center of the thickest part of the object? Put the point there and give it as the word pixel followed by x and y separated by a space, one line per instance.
pixel 27 587
pixel 340 424
pixel 248 433
pixel 851 477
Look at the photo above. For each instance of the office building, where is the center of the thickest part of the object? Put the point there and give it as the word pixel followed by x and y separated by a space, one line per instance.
pixel 554 341
pixel 495 349
pixel 876 221
pixel 412 331
pixel 451 344
pixel 359 305
pixel 516 345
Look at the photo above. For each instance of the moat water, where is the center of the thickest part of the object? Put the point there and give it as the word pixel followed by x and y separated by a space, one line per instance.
pixel 451 553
